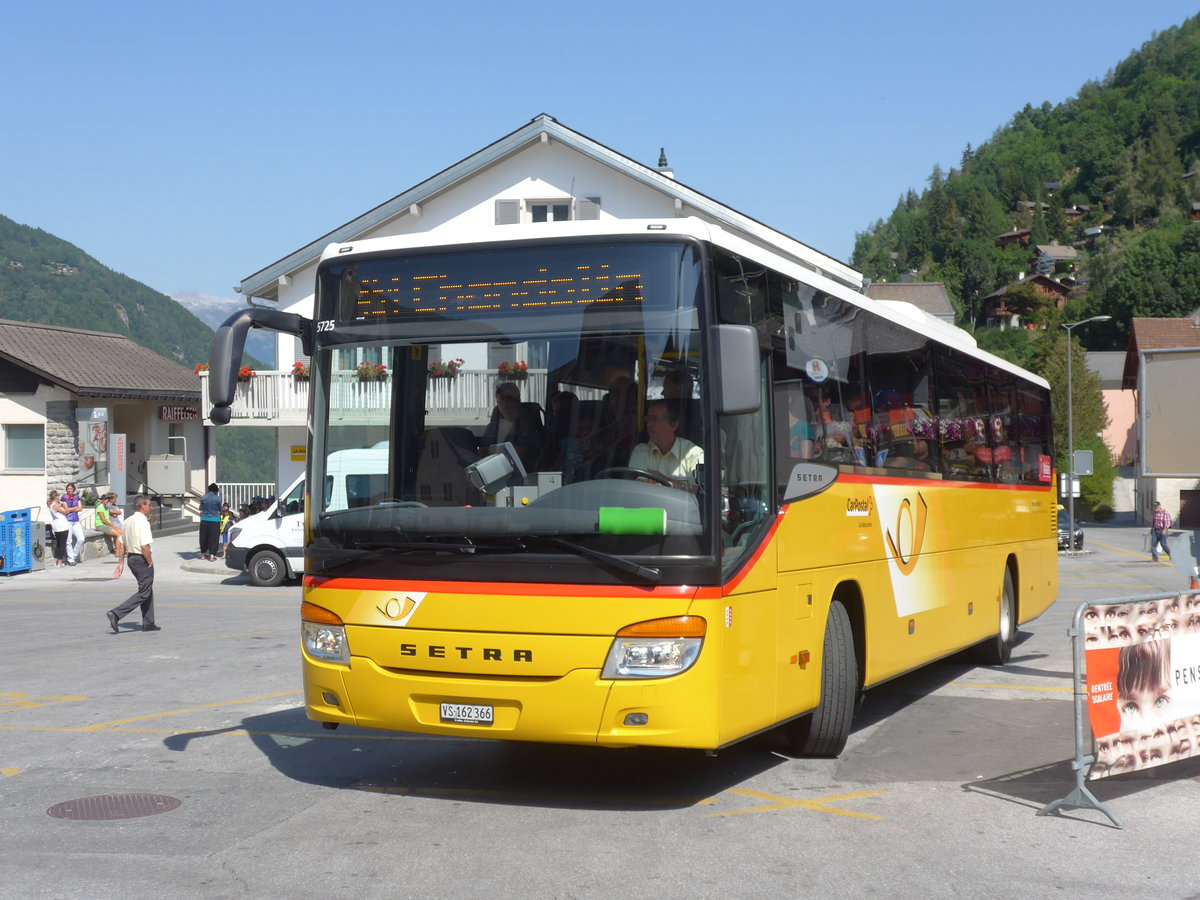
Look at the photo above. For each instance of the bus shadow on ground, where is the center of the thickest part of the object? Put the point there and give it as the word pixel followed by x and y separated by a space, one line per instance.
pixel 492 771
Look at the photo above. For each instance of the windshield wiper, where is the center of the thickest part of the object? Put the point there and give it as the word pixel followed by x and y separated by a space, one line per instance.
pixel 380 550
pixel 617 562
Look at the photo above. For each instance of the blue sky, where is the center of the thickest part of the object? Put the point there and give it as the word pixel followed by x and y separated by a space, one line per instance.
pixel 188 145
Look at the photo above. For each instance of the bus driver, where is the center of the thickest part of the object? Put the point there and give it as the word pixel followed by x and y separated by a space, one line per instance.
pixel 667 454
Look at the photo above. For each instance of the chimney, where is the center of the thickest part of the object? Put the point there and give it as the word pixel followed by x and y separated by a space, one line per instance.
pixel 663 168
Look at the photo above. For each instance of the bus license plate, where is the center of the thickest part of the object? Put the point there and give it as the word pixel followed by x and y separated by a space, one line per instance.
pixel 466 714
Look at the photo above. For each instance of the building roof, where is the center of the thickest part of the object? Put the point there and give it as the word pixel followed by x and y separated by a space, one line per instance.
pixel 1058 251
pixel 1049 284
pixel 1109 365
pixel 930 296
pixel 1157 334
pixel 95 364
pixel 543 128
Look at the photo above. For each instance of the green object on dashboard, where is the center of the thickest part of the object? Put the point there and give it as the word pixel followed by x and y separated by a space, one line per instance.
pixel 622 520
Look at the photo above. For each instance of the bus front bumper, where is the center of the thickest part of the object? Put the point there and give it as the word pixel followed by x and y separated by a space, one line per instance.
pixel 577 708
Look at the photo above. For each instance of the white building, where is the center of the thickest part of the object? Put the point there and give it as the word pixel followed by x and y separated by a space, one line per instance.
pixel 541 173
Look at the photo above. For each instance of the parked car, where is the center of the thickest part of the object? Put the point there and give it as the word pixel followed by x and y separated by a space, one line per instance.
pixel 1064 525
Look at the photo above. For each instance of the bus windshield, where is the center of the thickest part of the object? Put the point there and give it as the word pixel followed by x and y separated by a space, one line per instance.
pixel 539 399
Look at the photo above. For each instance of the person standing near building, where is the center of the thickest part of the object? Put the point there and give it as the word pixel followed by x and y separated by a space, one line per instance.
pixel 74 504
pixel 136 544
pixel 60 526
pixel 1158 531
pixel 210 523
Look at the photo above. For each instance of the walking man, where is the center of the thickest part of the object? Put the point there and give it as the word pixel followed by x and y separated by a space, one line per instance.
pixel 1158 531
pixel 136 545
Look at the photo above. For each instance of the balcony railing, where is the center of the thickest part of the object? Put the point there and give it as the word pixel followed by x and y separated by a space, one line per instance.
pixel 276 398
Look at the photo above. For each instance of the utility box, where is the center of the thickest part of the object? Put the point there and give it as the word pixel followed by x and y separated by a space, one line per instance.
pixel 167 474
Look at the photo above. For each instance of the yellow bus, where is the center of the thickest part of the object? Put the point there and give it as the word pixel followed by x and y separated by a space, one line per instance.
pixel 648 484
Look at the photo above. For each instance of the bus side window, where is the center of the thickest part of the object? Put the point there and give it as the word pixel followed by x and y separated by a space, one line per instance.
pixel 746 503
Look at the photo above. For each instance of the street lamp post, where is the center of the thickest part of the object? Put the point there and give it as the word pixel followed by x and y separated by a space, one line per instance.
pixel 1071 434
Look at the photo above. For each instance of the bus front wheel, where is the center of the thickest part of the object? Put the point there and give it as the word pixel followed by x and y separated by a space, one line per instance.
pixel 825 730
pixel 997 650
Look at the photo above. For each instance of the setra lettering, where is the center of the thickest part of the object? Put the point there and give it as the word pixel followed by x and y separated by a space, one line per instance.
pixel 488 654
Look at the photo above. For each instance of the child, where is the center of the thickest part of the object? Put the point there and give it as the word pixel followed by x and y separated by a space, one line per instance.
pixel 227 520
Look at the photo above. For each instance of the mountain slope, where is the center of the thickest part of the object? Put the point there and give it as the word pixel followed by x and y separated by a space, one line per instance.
pixel 1114 171
pixel 47 280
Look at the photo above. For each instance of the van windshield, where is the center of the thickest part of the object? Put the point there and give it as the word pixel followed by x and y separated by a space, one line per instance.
pixel 491 397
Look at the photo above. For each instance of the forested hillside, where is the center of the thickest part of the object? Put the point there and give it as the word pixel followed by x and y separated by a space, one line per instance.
pixel 47 280
pixel 1113 172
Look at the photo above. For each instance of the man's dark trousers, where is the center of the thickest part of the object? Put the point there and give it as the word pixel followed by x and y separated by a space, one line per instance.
pixel 144 573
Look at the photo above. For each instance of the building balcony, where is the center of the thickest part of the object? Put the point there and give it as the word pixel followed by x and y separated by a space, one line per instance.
pixel 276 399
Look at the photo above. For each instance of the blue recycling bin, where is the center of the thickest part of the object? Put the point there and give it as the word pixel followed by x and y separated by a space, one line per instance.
pixel 16 541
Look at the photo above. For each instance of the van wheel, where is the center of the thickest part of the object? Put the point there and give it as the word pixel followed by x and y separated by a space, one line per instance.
pixel 267 568
pixel 997 650
pixel 825 730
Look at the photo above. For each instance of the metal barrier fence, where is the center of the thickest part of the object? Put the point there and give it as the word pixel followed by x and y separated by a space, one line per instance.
pixel 237 493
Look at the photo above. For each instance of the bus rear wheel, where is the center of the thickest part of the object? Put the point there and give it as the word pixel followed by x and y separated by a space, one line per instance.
pixel 997 650
pixel 824 731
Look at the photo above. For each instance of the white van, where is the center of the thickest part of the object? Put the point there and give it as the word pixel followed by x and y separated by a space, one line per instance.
pixel 270 545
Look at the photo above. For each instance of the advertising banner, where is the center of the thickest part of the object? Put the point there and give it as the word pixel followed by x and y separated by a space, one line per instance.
pixel 93 445
pixel 1143 682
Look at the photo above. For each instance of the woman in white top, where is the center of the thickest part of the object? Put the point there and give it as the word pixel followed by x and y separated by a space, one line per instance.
pixel 59 525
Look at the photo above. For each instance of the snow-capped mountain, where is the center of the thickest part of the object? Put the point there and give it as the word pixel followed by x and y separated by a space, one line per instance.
pixel 213 311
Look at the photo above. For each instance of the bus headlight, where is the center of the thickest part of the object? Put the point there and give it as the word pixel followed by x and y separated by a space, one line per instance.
pixel 655 649
pixel 323 634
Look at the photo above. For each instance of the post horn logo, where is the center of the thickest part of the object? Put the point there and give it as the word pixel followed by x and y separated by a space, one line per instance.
pixel 400 609
pixel 907 561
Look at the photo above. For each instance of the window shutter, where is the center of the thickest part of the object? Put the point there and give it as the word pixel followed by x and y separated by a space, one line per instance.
pixel 508 212
pixel 587 209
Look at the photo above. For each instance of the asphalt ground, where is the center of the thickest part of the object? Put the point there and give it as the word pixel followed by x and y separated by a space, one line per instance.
pixel 200 725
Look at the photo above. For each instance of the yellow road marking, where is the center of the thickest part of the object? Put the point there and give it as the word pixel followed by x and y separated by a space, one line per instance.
pixel 818 804
pixel 1007 687
pixel 8 772
pixel 1128 552
pixel 11 702
pixel 171 712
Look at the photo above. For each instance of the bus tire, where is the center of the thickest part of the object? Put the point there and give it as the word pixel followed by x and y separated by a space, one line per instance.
pixel 267 568
pixel 997 650
pixel 824 731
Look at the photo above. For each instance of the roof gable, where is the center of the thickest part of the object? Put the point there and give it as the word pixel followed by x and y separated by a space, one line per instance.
pixel 95 364
pixel 1156 334
pixel 930 296
pixel 544 129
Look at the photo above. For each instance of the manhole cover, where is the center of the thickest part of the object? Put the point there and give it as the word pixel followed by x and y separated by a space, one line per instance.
pixel 113 806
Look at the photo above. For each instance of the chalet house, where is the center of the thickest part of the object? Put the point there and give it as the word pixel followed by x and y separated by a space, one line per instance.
pixel 1016 236
pixel 540 174
pixel 1054 259
pixel 65 396
pixel 999 313
pixel 1162 364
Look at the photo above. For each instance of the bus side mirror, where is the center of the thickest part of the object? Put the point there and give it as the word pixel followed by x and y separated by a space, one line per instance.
pixel 739 378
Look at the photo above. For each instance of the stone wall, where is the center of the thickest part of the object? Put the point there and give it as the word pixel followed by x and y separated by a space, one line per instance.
pixel 62 444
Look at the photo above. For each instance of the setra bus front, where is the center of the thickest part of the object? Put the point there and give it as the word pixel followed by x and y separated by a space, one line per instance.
pixel 529 568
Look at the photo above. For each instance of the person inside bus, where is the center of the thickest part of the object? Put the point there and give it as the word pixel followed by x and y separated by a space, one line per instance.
pixel 617 430
pixel 666 454
pixel 678 385
pixel 801 431
pixel 515 422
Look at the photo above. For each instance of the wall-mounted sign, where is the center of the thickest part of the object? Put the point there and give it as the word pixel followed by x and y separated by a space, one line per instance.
pixel 178 413
pixel 299 453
